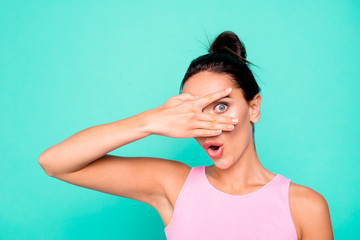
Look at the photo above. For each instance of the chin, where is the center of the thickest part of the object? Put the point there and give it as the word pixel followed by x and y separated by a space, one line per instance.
pixel 222 163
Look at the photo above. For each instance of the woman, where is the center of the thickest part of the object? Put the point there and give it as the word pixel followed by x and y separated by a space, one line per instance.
pixel 236 197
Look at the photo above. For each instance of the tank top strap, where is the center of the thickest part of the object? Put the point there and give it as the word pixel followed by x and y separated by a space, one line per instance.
pixel 188 190
pixel 279 188
pixel 193 181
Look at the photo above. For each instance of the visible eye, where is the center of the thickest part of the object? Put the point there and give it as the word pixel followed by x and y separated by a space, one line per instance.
pixel 221 108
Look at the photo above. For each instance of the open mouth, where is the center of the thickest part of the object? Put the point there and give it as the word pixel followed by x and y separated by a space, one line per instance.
pixel 215 148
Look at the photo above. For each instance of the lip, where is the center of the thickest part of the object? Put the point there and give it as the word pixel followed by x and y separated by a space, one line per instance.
pixel 215 154
pixel 206 145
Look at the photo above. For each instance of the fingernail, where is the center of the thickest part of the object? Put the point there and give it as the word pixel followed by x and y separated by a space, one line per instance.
pixel 228 90
pixel 235 120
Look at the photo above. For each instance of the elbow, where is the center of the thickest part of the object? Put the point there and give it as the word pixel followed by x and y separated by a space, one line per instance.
pixel 42 160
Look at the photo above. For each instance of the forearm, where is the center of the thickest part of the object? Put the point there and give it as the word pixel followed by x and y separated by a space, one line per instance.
pixel 86 146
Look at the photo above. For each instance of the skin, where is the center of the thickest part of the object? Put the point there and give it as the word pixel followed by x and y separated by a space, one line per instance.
pixel 83 159
pixel 239 170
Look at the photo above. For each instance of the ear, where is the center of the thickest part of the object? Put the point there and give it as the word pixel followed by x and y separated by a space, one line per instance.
pixel 254 108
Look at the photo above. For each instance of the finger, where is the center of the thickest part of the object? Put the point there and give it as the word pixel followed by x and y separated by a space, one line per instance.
pixel 213 125
pixel 216 118
pixel 205 132
pixel 185 96
pixel 212 97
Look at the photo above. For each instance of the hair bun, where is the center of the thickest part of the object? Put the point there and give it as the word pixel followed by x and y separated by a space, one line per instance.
pixel 229 42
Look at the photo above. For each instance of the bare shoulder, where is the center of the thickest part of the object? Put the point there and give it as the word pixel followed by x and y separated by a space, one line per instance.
pixel 310 213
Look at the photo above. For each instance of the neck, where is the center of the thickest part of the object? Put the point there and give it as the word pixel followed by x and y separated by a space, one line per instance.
pixel 246 170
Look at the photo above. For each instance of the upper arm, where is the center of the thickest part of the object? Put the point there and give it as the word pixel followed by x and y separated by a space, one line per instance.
pixel 139 178
pixel 312 213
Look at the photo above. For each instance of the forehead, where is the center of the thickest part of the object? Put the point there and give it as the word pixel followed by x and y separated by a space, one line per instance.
pixel 203 83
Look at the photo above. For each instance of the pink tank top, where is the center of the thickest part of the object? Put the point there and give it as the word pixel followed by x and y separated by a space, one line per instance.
pixel 204 212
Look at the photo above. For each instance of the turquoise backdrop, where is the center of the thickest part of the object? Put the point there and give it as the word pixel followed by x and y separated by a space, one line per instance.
pixel 68 65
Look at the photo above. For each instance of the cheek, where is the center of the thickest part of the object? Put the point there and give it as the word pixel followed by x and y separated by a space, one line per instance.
pixel 240 113
pixel 242 127
pixel 239 137
pixel 241 130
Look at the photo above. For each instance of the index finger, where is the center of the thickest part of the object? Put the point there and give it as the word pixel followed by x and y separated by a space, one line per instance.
pixel 212 97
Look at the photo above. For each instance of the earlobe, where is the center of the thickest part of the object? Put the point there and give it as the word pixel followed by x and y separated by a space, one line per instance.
pixel 255 108
pixel 255 114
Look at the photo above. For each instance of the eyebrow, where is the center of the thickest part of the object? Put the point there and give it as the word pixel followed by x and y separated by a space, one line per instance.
pixel 225 97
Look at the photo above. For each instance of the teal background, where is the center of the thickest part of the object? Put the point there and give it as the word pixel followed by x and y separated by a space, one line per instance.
pixel 69 65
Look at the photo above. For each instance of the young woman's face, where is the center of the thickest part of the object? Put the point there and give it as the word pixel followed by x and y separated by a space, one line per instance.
pixel 234 141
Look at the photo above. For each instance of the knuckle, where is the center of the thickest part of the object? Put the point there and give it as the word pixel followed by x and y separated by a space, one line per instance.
pixel 194 133
pixel 215 117
pixel 193 114
pixel 202 133
pixel 188 102
pixel 188 105
pixel 175 97
pixel 197 115
pixel 189 125
pixel 189 134
pixel 211 124
pixel 189 96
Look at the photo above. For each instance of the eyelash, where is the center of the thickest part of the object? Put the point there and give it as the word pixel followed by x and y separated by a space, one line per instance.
pixel 225 103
